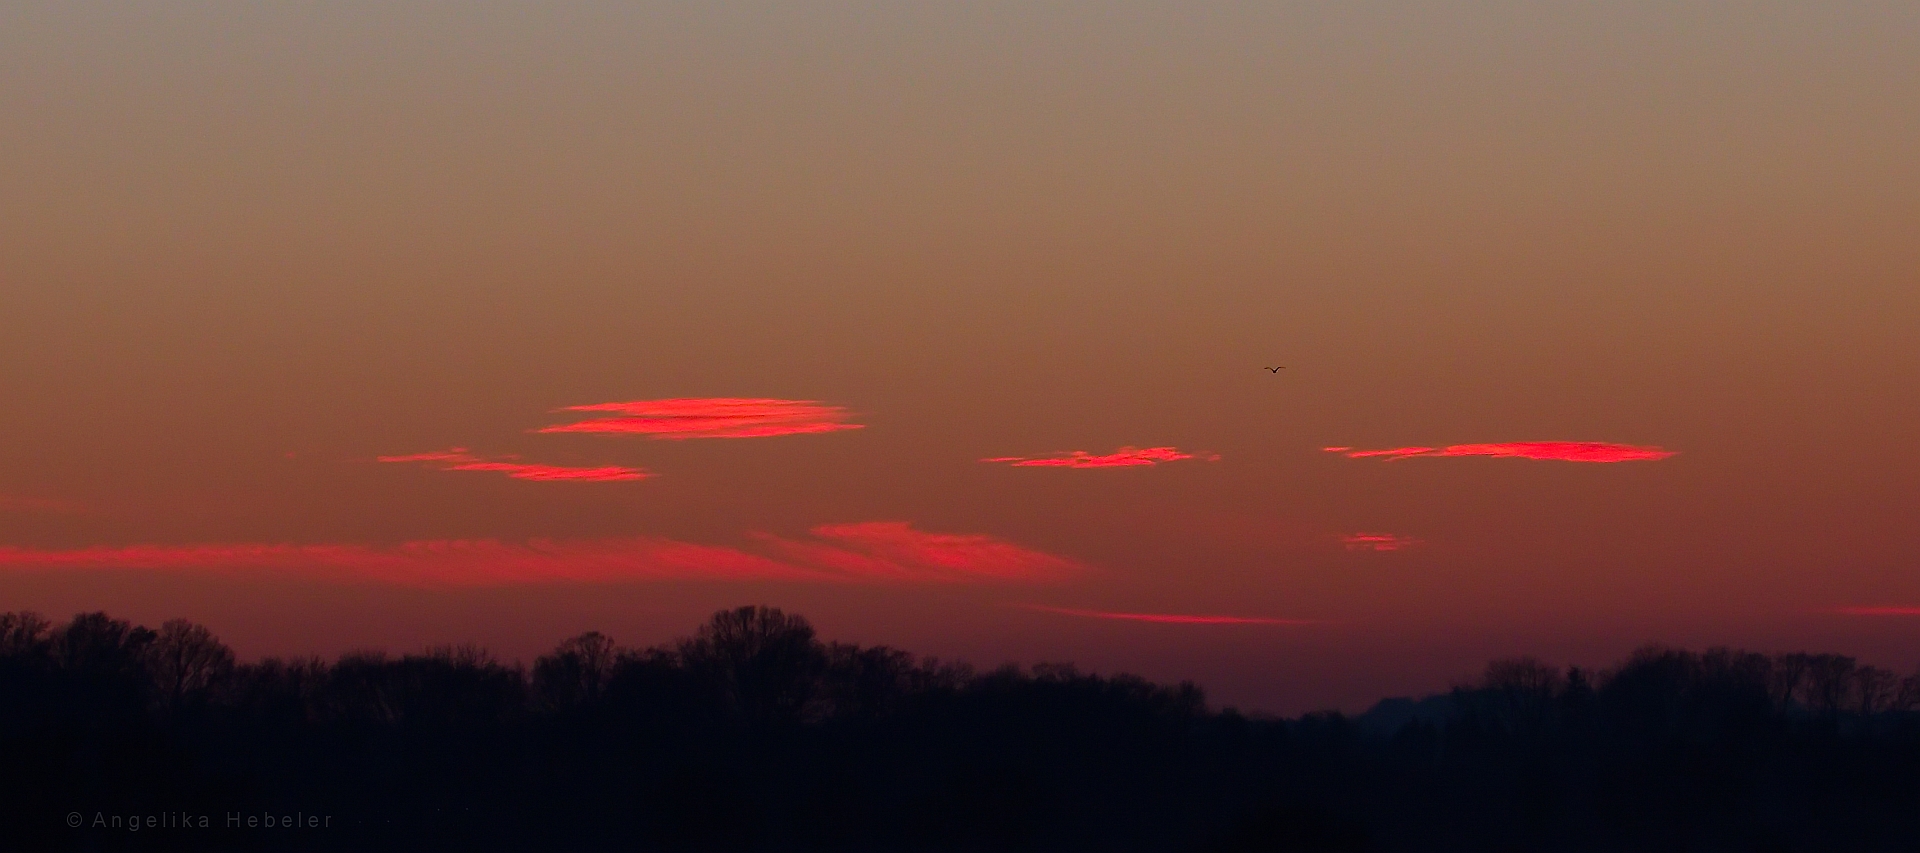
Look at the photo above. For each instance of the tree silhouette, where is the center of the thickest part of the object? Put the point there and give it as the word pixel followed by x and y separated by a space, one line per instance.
pixel 95 644
pixel 577 672
pixel 752 734
pixel 1908 696
pixel 763 663
pixel 23 636
pixel 1874 689
pixel 1523 690
pixel 1788 673
pixel 1829 682
pixel 185 660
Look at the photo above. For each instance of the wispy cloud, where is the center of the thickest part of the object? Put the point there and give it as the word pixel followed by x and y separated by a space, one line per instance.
pixel 1378 542
pixel 445 562
pixel 22 503
pixel 1169 618
pixel 868 552
pixel 458 459
pixel 1565 451
pixel 1878 611
pixel 710 417
pixel 893 550
pixel 1125 457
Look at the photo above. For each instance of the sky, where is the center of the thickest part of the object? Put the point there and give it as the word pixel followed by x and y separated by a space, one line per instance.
pixel 1312 352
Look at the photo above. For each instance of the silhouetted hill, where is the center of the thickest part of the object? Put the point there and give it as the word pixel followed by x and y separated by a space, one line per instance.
pixel 1389 715
pixel 753 734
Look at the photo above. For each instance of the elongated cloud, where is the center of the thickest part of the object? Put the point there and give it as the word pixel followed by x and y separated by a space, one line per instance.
pixel 710 417
pixel 1169 618
pixel 892 550
pixel 1378 542
pixel 869 552
pixel 20 503
pixel 1878 611
pixel 1565 451
pixel 1125 457
pixel 458 459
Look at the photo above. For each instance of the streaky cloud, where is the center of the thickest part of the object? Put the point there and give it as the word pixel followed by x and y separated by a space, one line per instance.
pixel 434 563
pixel 24 504
pixel 1125 457
pixel 709 417
pixel 452 454
pixel 1564 451
pixel 1378 542
pixel 1169 618
pixel 1392 453
pixel 866 552
pixel 458 459
pixel 603 474
pixel 1881 610
pixel 893 550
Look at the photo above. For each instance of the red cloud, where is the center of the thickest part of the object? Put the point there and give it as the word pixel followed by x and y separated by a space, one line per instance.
pixel 1173 618
pixel 457 562
pixel 1378 542
pixel 1566 451
pixel 845 553
pixel 892 550
pixel 710 417
pixel 1878 611
pixel 458 459
pixel 1125 457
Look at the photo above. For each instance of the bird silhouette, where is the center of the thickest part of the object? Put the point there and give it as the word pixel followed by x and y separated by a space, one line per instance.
pixel 1276 370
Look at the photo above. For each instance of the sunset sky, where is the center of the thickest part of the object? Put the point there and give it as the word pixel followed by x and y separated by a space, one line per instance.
pixel 954 327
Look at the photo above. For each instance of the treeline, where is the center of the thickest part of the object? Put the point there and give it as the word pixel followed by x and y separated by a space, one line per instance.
pixel 753 734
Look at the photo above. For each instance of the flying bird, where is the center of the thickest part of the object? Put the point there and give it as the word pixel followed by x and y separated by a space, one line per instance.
pixel 1275 370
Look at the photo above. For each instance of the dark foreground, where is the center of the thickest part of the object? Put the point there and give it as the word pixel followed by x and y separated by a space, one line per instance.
pixel 753 735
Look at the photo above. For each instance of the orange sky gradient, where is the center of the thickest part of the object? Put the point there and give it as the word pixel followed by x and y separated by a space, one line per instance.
pixel 345 326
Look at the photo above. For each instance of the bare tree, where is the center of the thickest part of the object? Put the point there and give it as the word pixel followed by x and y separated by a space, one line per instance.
pixel 465 655
pixel 577 671
pixel 1829 681
pixel 99 644
pixel 186 659
pixel 1788 673
pixel 765 664
pixel 23 634
pixel 1907 697
pixel 360 687
pixel 1522 690
pixel 1874 689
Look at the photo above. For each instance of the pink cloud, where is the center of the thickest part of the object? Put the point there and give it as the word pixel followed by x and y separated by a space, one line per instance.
pixel 1566 451
pixel 1169 618
pixel 1125 457
pixel 1878 611
pixel 458 459
pixel 869 552
pixel 893 550
pixel 710 417
pixel 1378 542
